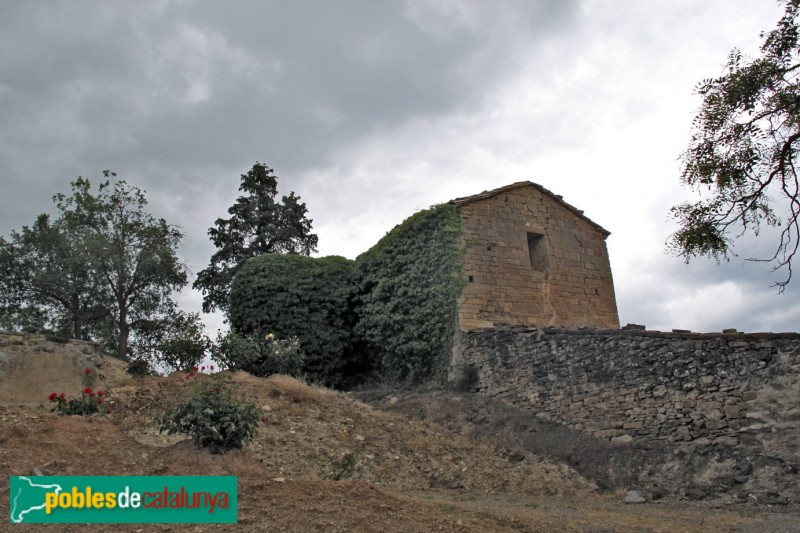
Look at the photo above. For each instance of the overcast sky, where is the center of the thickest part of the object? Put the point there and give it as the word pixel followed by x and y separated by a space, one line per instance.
pixel 371 110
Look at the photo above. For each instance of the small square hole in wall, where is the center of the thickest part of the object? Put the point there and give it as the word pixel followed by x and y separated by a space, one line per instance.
pixel 537 248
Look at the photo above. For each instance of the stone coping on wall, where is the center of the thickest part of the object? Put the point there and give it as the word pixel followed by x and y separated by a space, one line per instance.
pixel 638 333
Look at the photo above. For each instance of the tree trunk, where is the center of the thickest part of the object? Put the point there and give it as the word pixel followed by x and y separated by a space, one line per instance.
pixel 124 329
pixel 76 320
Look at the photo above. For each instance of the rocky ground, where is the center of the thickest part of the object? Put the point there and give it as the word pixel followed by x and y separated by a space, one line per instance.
pixel 397 470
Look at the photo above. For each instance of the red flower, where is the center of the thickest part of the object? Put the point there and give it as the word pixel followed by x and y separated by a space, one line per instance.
pixel 87 390
pixel 108 411
pixel 63 396
pixel 211 368
pixel 195 368
pixel 87 371
pixel 202 368
pixel 99 400
pixel 100 393
pixel 52 396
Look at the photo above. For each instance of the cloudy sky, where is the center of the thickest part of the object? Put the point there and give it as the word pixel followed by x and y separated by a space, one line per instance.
pixel 372 110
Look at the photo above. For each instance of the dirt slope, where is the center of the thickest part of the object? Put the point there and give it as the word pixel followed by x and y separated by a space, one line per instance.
pixel 407 475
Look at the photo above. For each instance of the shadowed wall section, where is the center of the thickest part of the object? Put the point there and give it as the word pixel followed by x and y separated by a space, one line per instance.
pixel 732 390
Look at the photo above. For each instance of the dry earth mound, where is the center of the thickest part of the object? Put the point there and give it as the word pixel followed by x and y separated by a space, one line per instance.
pixel 33 366
pixel 407 475
pixel 323 461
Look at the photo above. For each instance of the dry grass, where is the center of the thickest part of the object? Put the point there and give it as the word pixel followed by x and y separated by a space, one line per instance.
pixel 300 392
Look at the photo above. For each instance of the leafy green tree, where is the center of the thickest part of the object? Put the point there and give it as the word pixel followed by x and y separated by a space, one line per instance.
pixel 258 225
pixel 99 270
pixel 133 253
pixel 175 339
pixel 46 282
pixel 743 153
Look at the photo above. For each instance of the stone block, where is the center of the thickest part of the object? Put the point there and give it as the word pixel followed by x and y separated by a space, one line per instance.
pixel 732 411
pixel 609 433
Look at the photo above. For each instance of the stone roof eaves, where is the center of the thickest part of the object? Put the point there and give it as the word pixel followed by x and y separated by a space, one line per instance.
pixel 556 197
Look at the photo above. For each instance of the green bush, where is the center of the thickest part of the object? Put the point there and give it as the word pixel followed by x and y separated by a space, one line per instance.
pixel 298 297
pixel 407 290
pixel 139 368
pixel 213 415
pixel 261 356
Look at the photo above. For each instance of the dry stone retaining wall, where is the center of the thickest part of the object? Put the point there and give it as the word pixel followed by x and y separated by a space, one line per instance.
pixel 733 390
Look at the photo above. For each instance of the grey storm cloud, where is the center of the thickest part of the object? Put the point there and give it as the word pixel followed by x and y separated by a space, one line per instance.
pixel 173 92
pixel 205 83
pixel 370 110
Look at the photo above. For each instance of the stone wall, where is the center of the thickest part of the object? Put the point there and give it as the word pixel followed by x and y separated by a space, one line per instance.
pixel 33 366
pixel 565 281
pixel 732 390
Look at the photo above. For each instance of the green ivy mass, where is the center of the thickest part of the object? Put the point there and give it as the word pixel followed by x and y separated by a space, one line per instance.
pixel 406 295
pixel 295 296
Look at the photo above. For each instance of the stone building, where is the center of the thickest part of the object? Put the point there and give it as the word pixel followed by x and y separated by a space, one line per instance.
pixel 532 258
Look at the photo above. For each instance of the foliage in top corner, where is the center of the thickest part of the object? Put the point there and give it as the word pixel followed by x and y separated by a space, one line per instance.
pixel 407 290
pixel 743 154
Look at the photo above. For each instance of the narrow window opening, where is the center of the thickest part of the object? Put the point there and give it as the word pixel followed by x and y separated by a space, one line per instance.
pixel 471 279
pixel 537 248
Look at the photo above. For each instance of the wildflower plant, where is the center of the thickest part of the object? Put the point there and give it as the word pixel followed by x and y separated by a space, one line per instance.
pixel 88 377
pixel 213 414
pixel 89 401
pixel 260 355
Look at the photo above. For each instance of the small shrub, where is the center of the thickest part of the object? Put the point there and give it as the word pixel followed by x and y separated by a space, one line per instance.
pixel 139 368
pixel 260 356
pixel 88 403
pixel 342 468
pixel 212 414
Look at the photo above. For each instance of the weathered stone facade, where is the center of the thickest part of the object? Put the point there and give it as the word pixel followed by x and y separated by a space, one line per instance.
pixel 734 390
pixel 533 259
